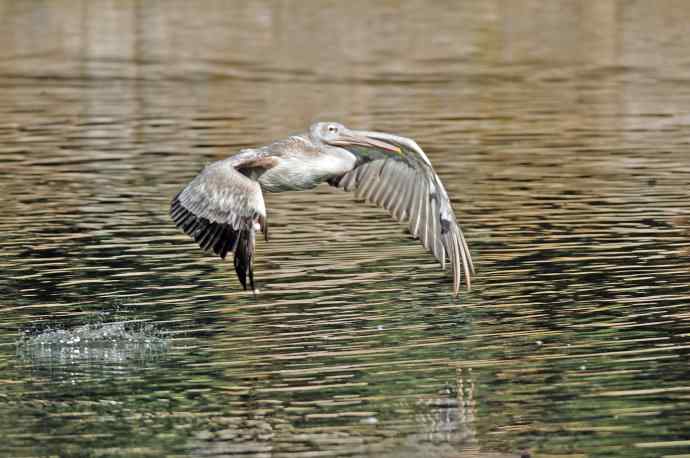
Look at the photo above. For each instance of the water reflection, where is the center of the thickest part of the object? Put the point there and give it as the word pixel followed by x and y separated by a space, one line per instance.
pixel 560 130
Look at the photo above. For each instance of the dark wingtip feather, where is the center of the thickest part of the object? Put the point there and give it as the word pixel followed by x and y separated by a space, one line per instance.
pixel 251 277
pixel 243 260
pixel 241 271
pixel 264 227
pixel 218 237
pixel 228 242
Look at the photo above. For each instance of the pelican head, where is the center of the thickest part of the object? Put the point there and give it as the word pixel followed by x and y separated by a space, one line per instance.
pixel 335 134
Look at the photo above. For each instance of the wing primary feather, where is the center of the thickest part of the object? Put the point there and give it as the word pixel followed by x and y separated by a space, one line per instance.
pixel 221 240
pixel 252 247
pixel 186 222
pixel 416 209
pixel 358 175
pixel 443 249
pixel 388 192
pixel 349 181
pixel 380 189
pixel 438 237
pixel 425 219
pixel 435 230
pixel 190 224
pixel 200 229
pixel 393 196
pixel 372 190
pixel 264 227
pixel 243 260
pixel 176 210
pixel 456 267
pixel 367 180
pixel 447 242
pixel 345 181
pixel 422 223
pixel 465 259
pixel 231 237
pixel 466 249
pixel 381 183
pixel 205 234
pixel 178 214
pixel 388 188
pixel 400 208
pixel 212 235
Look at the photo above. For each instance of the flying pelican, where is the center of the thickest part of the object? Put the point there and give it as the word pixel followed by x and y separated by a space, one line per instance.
pixel 223 208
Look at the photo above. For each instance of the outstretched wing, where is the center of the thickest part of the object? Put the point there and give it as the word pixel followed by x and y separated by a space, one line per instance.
pixel 406 185
pixel 221 209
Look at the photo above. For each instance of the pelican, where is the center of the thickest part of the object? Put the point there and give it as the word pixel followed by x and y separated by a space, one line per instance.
pixel 222 209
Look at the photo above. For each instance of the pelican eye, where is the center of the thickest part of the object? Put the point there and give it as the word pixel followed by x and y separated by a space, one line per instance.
pixel 332 129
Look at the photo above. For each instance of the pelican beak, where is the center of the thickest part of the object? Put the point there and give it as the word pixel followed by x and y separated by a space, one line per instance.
pixel 354 138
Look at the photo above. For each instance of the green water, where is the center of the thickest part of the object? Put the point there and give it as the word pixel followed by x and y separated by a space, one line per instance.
pixel 560 130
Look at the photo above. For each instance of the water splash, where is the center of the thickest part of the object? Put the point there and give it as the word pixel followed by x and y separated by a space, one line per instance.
pixel 119 343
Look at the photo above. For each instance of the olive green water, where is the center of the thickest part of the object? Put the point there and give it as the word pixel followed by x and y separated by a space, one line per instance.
pixel 561 131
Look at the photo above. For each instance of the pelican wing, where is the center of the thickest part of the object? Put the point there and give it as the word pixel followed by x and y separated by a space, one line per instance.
pixel 220 208
pixel 406 185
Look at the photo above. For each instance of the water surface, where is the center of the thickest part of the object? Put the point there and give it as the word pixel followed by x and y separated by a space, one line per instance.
pixel 559 129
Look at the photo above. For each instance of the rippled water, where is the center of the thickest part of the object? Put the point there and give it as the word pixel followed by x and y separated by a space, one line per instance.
pixel 561 130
